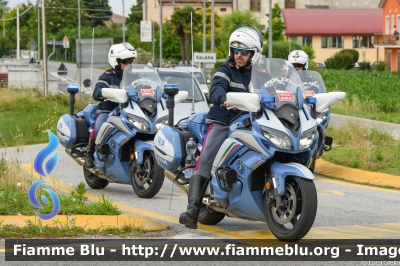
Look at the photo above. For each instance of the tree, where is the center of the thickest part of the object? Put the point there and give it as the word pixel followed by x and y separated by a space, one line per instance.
pixel 136 14
pixel 60 14
pixel 217 25
pixel 181 25
pixel 5 46
pixel 97 11
pixel 228 24
pixel 277 24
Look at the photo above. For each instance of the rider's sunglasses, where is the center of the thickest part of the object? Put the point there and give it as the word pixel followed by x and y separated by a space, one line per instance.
pixel 127 61
pixel 296 65
pixel 243 51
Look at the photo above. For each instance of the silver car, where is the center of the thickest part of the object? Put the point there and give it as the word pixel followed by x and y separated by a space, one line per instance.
pixel 200 78
pixel 196 101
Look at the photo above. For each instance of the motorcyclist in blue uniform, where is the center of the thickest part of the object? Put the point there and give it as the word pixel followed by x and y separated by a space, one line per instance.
pixel 245 47
pixel 119 56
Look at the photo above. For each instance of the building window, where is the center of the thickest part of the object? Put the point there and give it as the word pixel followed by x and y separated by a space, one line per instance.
pixel 332 42
pixel 290 3
pixel 222 9
pixel 302 40
pixel 255 5
pixel 363 41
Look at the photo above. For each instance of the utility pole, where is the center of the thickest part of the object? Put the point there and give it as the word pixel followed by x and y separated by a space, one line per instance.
pixel 18 49
pixel 270 31
pixel 79 19
pixel 38 28
pixel 44 50
pixel 123 20
pixel 160 33
pixel 212 26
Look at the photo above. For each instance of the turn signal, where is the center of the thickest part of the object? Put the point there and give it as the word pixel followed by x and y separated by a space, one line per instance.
pixel 268 185
pixel 132 157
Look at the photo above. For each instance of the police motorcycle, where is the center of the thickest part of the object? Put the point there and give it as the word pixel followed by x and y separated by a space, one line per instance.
pixel 124 150
pixel 260 171
pixel 314 84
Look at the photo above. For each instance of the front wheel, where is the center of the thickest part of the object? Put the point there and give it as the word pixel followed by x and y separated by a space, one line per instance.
pixel 295 218
pixel 147 181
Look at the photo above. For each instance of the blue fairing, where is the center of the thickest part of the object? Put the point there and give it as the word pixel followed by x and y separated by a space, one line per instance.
pixel 141 147
pixel 282 170
pixel 89 114
pixel 197 125
pixel 241 200
pixel 114 168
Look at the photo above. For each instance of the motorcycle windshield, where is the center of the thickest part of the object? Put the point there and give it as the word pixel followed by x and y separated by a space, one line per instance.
pixel 312 82
pixel 280 80
pixel 142 79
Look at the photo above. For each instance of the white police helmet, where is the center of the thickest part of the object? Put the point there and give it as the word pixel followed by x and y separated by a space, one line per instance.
pixel 298 57
pixel 120 52
pixel 246 37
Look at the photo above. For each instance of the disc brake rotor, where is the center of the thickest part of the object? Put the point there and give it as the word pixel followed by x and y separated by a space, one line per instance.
pixel 143 177
pixel 284 215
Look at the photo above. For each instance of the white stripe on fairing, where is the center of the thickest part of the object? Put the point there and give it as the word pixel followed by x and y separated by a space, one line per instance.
pixel 303 169
pixel 249 140
pixel 273 121
pixel 118 123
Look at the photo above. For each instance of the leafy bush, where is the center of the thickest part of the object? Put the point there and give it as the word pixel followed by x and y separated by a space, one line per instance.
pixel 365 65
pixel 342 60
pixel 281 49
pixel 381 66
pixel 313 65
pixel 353 52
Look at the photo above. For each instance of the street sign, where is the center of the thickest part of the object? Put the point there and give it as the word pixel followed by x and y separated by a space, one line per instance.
pixel 65 42
pixel 209 65
pixel 145 31
pixel 205 57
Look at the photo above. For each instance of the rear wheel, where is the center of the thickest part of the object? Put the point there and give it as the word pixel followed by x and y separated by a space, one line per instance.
pixel 93 180
pixel 295 218
pixel 210 217
pixel 148 181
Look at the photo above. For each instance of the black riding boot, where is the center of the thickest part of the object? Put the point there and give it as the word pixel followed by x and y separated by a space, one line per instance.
pixel 197 185
pixel 89 159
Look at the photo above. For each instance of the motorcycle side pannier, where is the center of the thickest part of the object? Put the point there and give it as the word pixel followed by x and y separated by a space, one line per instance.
pixel 72 130
pixel 170 147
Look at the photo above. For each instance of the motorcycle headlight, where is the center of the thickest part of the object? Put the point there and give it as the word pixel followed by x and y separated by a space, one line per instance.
pixel 322 116
pixel 161 122
pixel 140 123
pixel 307 138
pixel 280 139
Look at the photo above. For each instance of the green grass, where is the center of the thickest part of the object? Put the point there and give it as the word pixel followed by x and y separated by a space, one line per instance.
pixel 57 230
pixel 25 115
pixel 14 185
pixel 370 149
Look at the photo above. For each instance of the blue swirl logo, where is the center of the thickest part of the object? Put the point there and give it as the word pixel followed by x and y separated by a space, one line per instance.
pixel 38 166
pixel 42 155
pixel 36 203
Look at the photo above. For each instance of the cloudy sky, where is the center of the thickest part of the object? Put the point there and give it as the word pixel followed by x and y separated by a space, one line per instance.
pixel 116 5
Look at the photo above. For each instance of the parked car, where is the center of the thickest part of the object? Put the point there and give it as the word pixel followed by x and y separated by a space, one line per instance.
pixel 200 78
pixel 320 64
pixel 196 101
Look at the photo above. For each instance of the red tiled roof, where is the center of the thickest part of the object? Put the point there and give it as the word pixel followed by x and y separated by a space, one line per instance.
pixel 332 21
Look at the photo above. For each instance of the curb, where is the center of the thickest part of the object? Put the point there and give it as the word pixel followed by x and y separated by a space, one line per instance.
pixel 86 221
pixel 356 175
